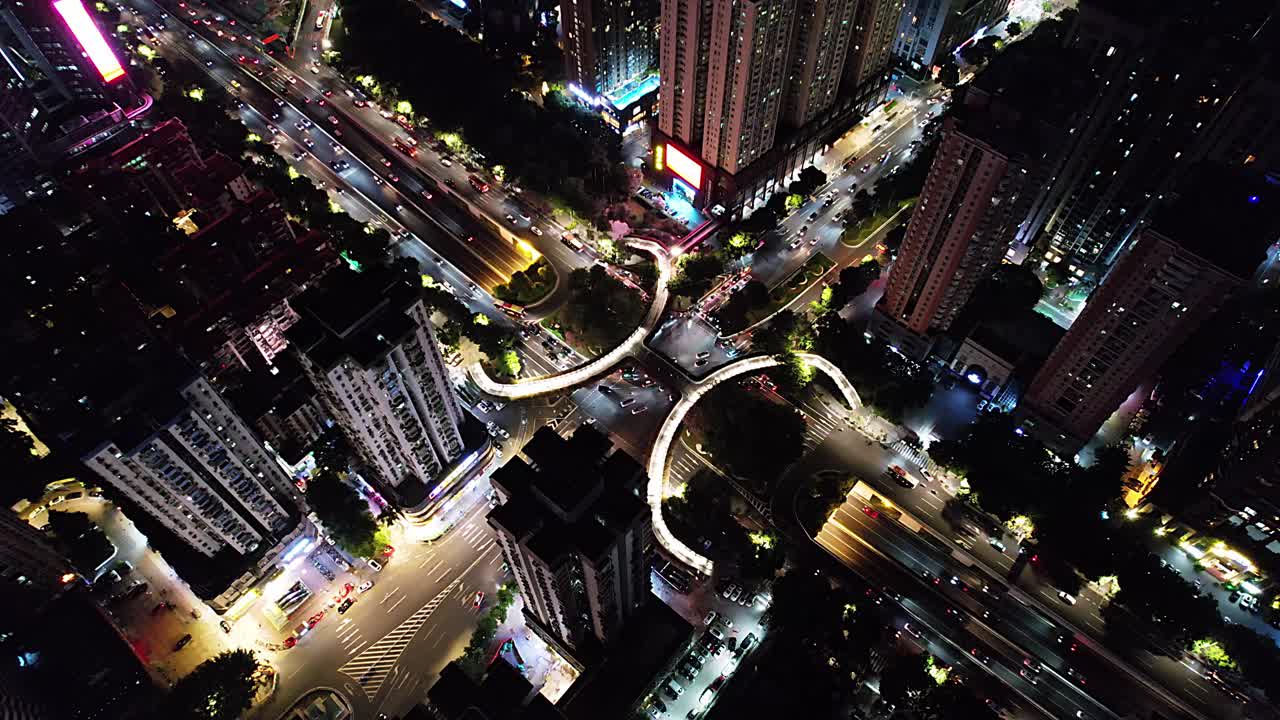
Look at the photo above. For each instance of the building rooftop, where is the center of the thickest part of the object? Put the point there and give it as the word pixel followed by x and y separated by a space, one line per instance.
pixel 355 315
pixel 568 495
pixel 1225 215
pixel 502 694
pixel 648 642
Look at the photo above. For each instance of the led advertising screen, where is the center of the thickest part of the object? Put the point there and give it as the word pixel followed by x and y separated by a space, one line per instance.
pixel 684 166
pixel 87 34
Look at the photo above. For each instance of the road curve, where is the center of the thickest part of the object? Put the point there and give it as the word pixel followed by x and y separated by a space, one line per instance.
pixel 671 425
pixel 530 387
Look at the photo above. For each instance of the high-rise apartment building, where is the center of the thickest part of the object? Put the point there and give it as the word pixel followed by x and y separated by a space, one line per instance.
pixel 747 70
pixel 367 343
pixel 609 44
pixel 26 557
pixel 184 456
pixel 1177 272
pixel 983 177
pixel 870 59
pixel 1169 79
pixel 821 41
pixel 62 89
pixel 574 528
pixel 748 91
pixel 930 30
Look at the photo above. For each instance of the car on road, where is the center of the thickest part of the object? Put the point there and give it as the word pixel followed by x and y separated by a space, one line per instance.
pixel 813 216
pixel 746 643
pixel 226 626
pixel 478 599
pixel 364 586
pixel 377 566
pixel 689 672
pixel 345 605
pixel 700 362
pixel 182 642
pixel 510 218
pixel 980 656
pixel 535 230
pixel 1076 675
pixel 445 162
pixel 716 633
pixel 384 161
pixel 913 631
pixel 1066 597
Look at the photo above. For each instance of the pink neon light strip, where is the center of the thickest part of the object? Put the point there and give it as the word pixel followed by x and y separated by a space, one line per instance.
pixel 87 34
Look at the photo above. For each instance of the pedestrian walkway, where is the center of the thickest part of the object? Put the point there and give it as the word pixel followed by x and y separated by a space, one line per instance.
pixel 371 667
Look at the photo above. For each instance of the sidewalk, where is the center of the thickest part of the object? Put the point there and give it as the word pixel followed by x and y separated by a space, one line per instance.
pixel 542 666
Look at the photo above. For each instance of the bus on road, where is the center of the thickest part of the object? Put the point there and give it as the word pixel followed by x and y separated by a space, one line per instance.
pixel 478 184
pixel 514 311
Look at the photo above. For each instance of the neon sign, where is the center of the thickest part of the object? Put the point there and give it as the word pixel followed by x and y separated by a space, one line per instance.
pixel 684 166
pixel 87 34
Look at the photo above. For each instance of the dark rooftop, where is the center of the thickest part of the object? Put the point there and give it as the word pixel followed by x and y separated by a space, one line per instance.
pixel 355 315
pixel 648 642
pixel 503 694
pixel 1225 215
pixel 571 497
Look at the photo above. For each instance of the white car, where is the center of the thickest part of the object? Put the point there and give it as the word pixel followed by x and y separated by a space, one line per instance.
pixel 535 230
pixel 445 162
pixel 364 586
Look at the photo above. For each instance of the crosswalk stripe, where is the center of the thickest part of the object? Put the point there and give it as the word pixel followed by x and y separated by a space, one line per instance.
pixel 372 666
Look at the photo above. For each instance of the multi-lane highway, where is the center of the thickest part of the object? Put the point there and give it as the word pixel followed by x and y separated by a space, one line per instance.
pixel 1031 618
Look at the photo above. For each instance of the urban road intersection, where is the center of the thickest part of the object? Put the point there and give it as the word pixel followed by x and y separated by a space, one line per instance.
pixel 385 651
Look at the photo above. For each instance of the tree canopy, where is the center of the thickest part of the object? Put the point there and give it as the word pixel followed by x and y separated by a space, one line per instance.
pixel 750 434
pixel 221 688
pixel 695 274
pixel 601 311
pixel 345 515
pixel 461 87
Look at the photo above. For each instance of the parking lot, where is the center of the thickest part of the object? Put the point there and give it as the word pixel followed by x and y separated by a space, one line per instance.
pixel 729 630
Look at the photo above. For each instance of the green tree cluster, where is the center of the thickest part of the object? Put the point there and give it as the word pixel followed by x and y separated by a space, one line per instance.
pixel 26 473
pixel 854 280
pixel 749 434
pixel 601 311
pixel 808 182
pixel 346 516
pixel 528 286
pixel 702 515
pixel 695 274
pixel 221 688
pixel 81 539
pixel 475 657
pixel 887 383
pixel 574 156
pixel 733 314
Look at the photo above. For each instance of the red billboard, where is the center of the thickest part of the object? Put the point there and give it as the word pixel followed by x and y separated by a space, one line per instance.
pixel 684 166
